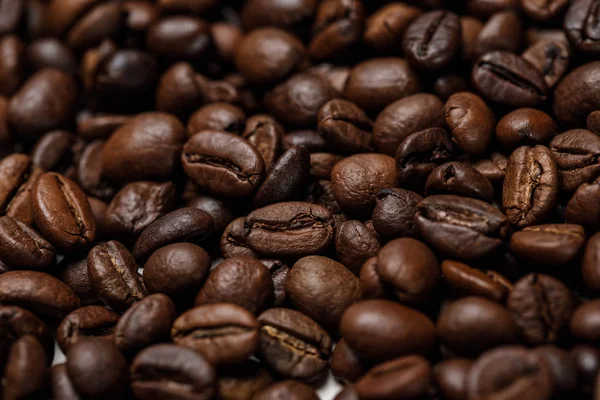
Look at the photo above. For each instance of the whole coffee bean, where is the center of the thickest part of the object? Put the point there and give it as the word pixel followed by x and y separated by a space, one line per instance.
pixel 385 28
pixel 336 75
pixel 573 99
pixel 217 209
pixel 17 323
pixel 233 241
pixel 354 244
pixel 56 151
pixel 87 322
pixel 145 148
pixel 471 122
pixel 580 28
pixel 223 333
pixel 348 393
pixel 292 16
pixel 511 372
pixel 371 284
pixel 357 179
pixel 322 289
pixel 99 208
pixel 541 11
pixel 180 90
pixel 182 225
pixel 45 101
pixel 503 31
pixel 51 53
pixel 321 193
pixel 345 127
pixel 548 245
pixel 450 377
pixel 461 227
pixel 61 385
pixel 113 274
pixel 525 127
pixel 293 345
pixel 90 173
pixel 509 80
pixel 247 282
pixel 593 121
pixel 459 179
pixel 218 117
pixel 293 229
pixel 405 377
pixel 75 275
pixel 268 55
pixel 541 306
pixel 11 64
pixel 590 263
pixel 551 58
pixel 321 164
pixel 174 372
pixel 466 281
pixel 587 363
pixel 266 134
pixel 25 375
pixel 100 126
pixel 582 208
pixel 223 163
pixel 472 325
pixel 485 8
pixel 312 140
pixel 18 177
pixel 394 211
pixel 38 292
pixel 432 39
pixel 179 38
pixel 296 102
pixel 292 390
pixel 345 365
pixel 576 153
pixel 447 85
pixel 411 269
pixel 279 274
pixel 381 330
pixel 583 324
pixel 531 185
pixel 374 84
pixel 97 369
pixel 243 381
pixel 420 153
pixel 562 367
pixel 404 117
pixel 337 26
pixel 493 168
pixel 21 247
pixel 470 27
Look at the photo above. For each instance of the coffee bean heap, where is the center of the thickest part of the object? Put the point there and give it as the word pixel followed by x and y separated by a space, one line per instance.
pixel 228 200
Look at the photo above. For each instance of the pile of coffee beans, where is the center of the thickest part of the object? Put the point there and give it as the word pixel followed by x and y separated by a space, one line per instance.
pixel 247 199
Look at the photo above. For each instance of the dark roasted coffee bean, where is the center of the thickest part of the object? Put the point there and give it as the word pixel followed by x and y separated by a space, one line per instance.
pixel 548 245
pixel 551 58
pixel 590 265
pixel 90 173
pixel 509 80
pixel 345 127
pixel 266 134
pixel 179 38
pixel 466 281
pixel 243 381
pixel 541 306
pixel 576 153
pixel 18 177
pixel 562 367
pixel 321 164
pixel 509 372
pixel 405 377
pixel 312 140
pixel 345 365
pixel 354 244
pixel 12 60
pixel 51 53
pixel 450 378
pixel 57 151
pixel 233 240
pixel 461 227
pixel 293 345
pixel 503 31
pixel 531 185
pixel 471 122
pixel 333 288
pixel 21 247
pixel 385 28
pixel 582 209
pixel 181 90
pixel 292 16
pixel 459 179
pixel 581 26
pixel 100 126
pixel 217 117
pixel 223 333
pixel 493 168
pixel 394 211
pixel 381 330
pixel 470 29
pixel 573 99
pixel 25 374
pixel 337 26
pixel 543 10
pixel 75 275
pixel 525 127
pixel 87 322
pixel 432 39
pixel 447 85
pixel 18 322
pixel 348 393
pixel 410 268
pixel 587 363
pixel 114 277
pixel 279 274
pixel 583 324
pixel 248 282
pixel 60 383
pixel 217 209
pixel 371 284
pixel 593 121
pixel 292 390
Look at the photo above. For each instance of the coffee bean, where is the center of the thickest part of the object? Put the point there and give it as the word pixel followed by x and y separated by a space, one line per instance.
pixel 100 126
pixel 321 164
pixel 179 38
pixel 593 122
pixel 290 16
pixel 580 26
pixel 466 281
pixel 576 153
pixel 573 100
pixel 243 381
pixel 385 28
pixel 471 122
pixel 345 127
pixel 582 208
pixel 51 53
pixel 18 177
pixel 548 245
pixel 583 322
pixel 462 227
pixel 279 274
pixel 19 323
pixel 541 11
pixel 25 374
pixel 587 363
pixel 90 174
pixel 354 244
pixel 310 139
pixel 233 240
pixel 288 389
pixel 293 345
pixel 170 371
pixel 394 211
pixel 450 377
pixel 56 151
pixel 12 64
pixel 61 385
pixel 87 322
pixel 223 333
pixel 589 265
pixel 493 168
pixel 541 306
pixel 525 126
pixel 503 31
pixel 21 247
pixel 348 393
pixel 459 179
pixel 337 26
pixel 531 185
pixel 266 134
pixel 345 365
pixel 75 275
pixel 113 275
pixel 551 58
pixel 562 367
pixel 371 284
pixel 217 117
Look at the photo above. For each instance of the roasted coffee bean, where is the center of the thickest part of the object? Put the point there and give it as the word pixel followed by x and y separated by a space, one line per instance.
pixel 223 333
pixel 21 247
pixel 510 372
pixel 51 53
pixel 493 168
pixel 354 244
pixel 25 374
pixel 87 322
pixel 247 281
pixel 371 284
pixel 17 323
pixel 279 274
pixel 393 213
pixel 573 99
pixel 410 268
pixel 466 281
pixel 543 11
pixel 233 240
pixel 100 126
pixel 525 127
pixel 217 209
pixel 503 31
pixel 193 7
pixel 293 16
pixel 470 29
pixel 217 117
pixel 531 185
pixel 99 208
pixel 541 306
pixel 182 225
pixel 405 377
pixel 472 325
pixel 170 371
pixel 337 26
pixel 583 325
pixel 291 229
pixel 293 345
pixel 459 179
pixel 321 164
pixel 292 390
pixel 385 28
pixel 587 363
pixel 432 39
pixel 582 208
pixel 404 117
pixel 56 151
pixel 345 365
pixel 551 58
pixel 312 140
pixel 266 134
pixel 75 275
pixel 548 245
pixel 179 38
pixel 581 27
pixel 90 173
pixel 38 292
pixel 345 127
pixel 60 383
pixel 461 227
pixel 576 153
pixel 593 121
pixel 471 122
pixel 447 85
pixel 450 377
pixel 381 330
pixel 12 65
pixel 18 177
pixel 348 393
pixel 509 80
pixel 181 90
pixel 114 277
pixel 333 288
pixel 590 263
pixel 562 367
pixel 243 381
